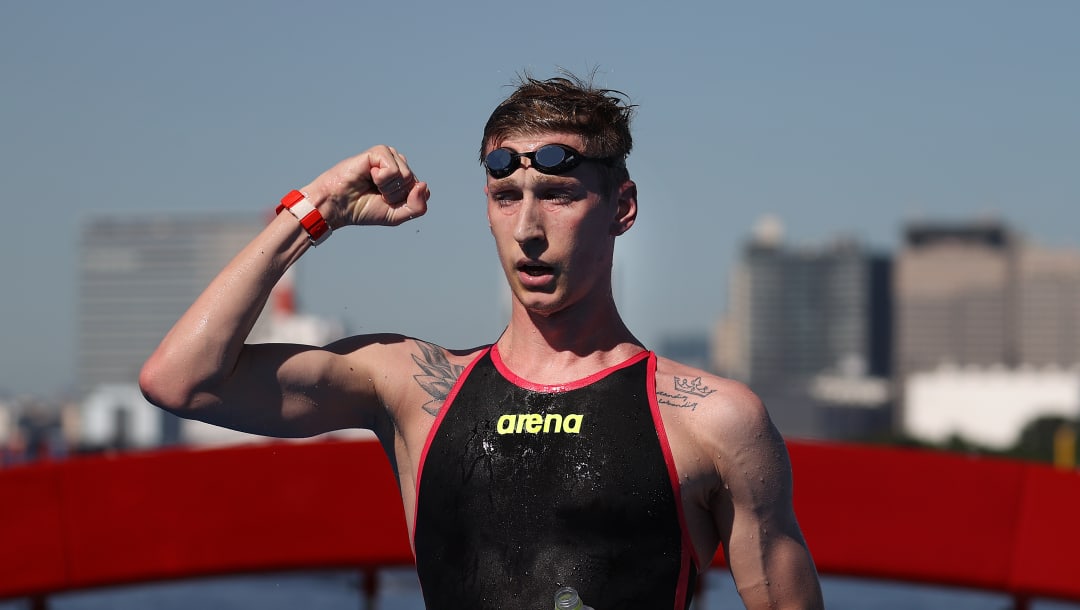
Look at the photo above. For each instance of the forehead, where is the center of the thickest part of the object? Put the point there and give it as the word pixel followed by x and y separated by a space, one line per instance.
pixel 532 141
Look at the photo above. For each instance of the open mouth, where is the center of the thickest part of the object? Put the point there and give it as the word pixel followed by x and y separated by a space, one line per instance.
pixel 535 270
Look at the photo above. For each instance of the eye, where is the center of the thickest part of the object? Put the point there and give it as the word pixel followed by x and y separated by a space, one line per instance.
pixel 560 197
pixel 505 197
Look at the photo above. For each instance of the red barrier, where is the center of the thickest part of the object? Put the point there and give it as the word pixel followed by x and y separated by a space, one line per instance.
pixel 142 517
pixel 866 511
pixel 1045 543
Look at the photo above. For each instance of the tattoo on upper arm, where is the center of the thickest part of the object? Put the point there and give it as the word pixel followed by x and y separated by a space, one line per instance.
pixel 681 401
pixel 684 389
pixel 438 375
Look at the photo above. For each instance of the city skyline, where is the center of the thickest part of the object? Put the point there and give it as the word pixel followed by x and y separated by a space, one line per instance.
pixel 840 118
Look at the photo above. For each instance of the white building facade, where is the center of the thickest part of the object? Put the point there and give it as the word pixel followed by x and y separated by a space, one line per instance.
pixel 986 405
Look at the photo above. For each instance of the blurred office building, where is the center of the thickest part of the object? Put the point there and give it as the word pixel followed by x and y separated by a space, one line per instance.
pixel 808 328
pixel 953 297
pixel 137 275
pixel 977 307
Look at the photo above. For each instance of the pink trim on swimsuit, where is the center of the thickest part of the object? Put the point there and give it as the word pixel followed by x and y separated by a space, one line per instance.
pixel 435 426
pixel 689 551
pixel 560 387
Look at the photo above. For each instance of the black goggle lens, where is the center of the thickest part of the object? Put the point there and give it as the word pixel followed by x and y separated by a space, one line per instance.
pixel 551 157
pixel 548 159
pixel 499 162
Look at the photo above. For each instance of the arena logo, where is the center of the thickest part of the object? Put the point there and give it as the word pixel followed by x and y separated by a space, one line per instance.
pixel 535 423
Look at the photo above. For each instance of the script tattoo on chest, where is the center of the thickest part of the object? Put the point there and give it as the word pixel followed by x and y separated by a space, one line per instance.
pixel 437 377
pixel 685 390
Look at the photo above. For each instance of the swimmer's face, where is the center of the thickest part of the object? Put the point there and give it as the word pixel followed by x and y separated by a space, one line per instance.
pixel 555 234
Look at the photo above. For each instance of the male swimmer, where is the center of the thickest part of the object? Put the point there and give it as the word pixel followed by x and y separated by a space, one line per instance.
pixel 563 454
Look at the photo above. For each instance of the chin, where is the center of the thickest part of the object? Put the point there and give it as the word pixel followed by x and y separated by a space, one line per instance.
pixel 543 308
pixel 537 304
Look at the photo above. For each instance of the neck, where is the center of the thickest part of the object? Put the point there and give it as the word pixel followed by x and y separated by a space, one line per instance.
pixel 566 345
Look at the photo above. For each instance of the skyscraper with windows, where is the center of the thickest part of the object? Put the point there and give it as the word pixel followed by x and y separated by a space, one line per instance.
pixel 978 294
pixel 977 307
pixel 809 330
pixel 1048 306
pixel 137 275
pixel 955 292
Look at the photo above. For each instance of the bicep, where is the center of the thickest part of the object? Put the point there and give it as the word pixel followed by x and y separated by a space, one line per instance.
pixel 286 390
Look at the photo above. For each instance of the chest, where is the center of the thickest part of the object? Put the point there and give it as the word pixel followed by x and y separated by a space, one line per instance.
pixel 540 486
pixel 564 445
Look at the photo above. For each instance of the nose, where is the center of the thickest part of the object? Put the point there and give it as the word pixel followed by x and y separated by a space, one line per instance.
pixel 529 227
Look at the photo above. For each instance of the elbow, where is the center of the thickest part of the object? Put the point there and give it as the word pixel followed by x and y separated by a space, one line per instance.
pixel 164 388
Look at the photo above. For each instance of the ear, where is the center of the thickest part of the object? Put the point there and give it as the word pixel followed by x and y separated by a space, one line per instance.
pixel 625 208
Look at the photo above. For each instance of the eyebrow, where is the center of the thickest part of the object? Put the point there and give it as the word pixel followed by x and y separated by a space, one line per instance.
pixel 543 180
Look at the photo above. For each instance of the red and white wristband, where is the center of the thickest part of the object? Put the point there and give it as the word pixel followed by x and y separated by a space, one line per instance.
pixel 310 218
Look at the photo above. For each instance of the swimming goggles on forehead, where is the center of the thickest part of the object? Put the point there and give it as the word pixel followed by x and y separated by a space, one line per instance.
pixel 548 159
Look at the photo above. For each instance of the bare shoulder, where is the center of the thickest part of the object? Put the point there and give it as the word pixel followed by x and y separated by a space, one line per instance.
pixel 722 405
pixel 720 420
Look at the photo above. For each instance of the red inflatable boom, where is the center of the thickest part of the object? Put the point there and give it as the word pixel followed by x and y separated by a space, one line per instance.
pixel 875 512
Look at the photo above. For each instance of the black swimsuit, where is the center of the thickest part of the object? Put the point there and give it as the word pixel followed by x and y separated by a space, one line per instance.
pixel 525 488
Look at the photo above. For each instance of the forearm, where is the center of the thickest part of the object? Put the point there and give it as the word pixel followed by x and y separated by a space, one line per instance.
pixel 787 580
pixel 196 365
pixel 771 562
pixel 203 347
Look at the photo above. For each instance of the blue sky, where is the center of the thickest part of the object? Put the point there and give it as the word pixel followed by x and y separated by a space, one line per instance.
pixel 842 117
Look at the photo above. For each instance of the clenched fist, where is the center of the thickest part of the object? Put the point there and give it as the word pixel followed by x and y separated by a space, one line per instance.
pixel 376 187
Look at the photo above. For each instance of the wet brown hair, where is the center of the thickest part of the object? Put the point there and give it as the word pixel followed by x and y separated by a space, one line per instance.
pixel 568 104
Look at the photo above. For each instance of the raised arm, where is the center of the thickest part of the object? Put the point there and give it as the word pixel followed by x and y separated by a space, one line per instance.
pixel 765 550
pixel 204 370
